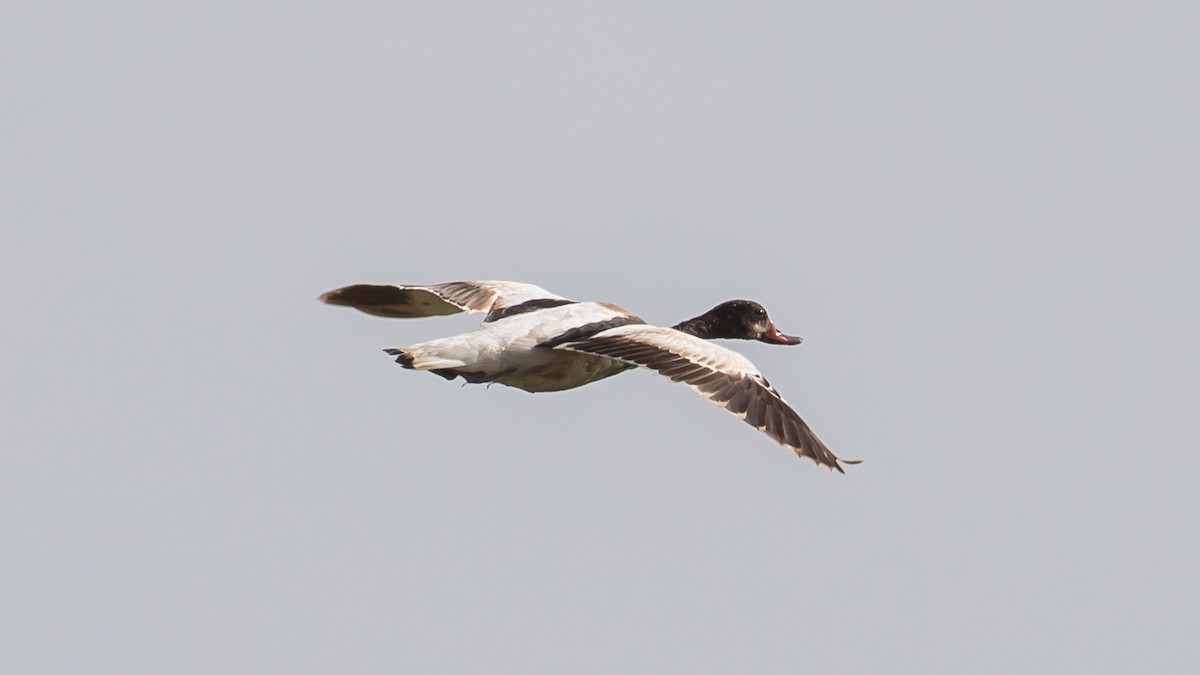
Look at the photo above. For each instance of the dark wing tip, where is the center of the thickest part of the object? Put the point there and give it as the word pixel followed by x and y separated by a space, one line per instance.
pixel 346 296
pixel 837 464
pixel 362 294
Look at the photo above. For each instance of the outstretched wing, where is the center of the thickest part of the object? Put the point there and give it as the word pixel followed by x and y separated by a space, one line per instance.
pixel 498 298
pixel 718 374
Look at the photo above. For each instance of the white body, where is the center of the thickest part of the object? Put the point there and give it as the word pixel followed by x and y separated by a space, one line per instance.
pixel 505 351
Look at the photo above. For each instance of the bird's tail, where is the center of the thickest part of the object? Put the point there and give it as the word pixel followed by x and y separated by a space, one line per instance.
pixel 419 357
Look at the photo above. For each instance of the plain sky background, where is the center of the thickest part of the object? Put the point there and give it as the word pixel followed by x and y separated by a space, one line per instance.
pixel 983 218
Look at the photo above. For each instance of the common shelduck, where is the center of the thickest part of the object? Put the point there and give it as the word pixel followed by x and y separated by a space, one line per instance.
pixel 538 341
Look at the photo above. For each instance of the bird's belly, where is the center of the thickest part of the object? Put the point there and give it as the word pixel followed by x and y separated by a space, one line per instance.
pixel 548 370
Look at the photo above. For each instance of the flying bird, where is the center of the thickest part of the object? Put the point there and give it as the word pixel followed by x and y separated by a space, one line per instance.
pixel 535 340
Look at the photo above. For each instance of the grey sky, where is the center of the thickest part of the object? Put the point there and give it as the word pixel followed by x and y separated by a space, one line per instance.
pixel 982 219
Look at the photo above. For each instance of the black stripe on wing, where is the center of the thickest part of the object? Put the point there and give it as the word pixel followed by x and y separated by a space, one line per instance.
pixel 750 397
pixel 525 307
pixel 589 329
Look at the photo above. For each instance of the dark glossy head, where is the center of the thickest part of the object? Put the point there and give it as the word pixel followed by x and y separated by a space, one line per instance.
pixel 738 320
